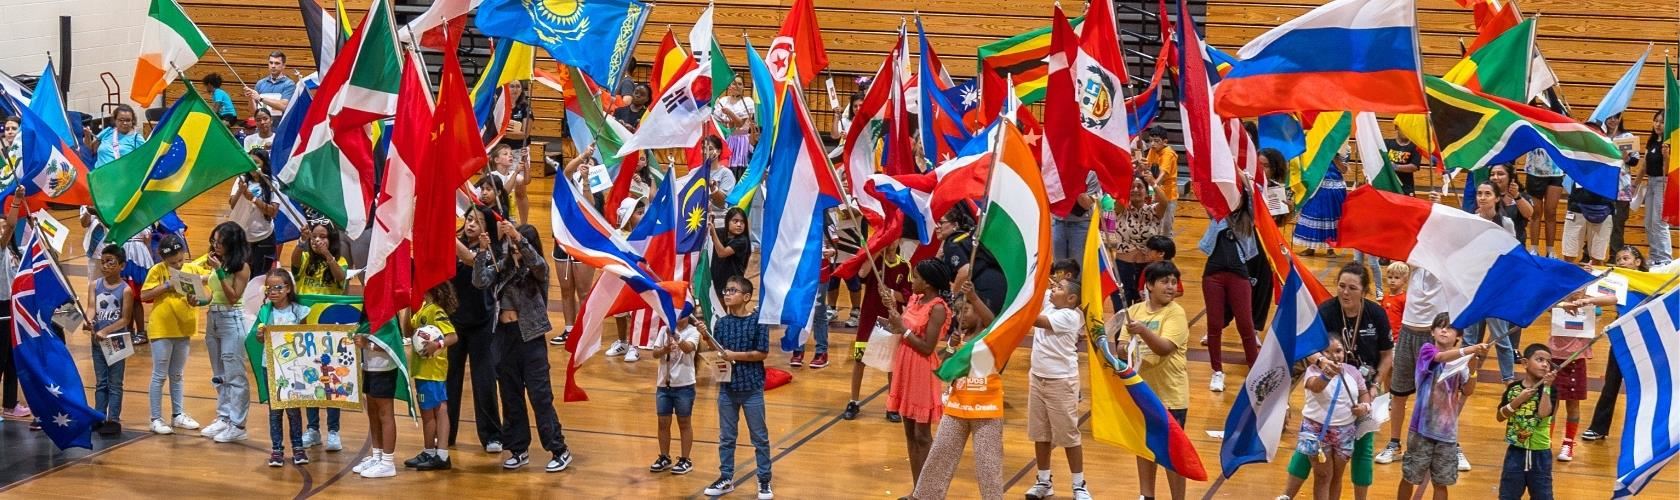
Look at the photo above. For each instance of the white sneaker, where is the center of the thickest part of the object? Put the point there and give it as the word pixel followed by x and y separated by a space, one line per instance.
pixel 311 438
pixel 381 468
pixel 493 447
pixel 1217 382
pixel 158 427
pixel 185 422
pixel 1041 490
pixel 214 429
pixel 618 348
pixel 231 434
pixel 367 461
pixel 1388 453
pixel 333 443
pixel 1080 493
pixel 1463 463
pixel 1567 453
pixel 631 355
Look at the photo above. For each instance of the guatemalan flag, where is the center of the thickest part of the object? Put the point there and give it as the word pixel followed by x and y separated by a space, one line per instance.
pixel 801 186
pixel 1476 260
pixel 1257 416
pixel 45 370
pixel 1374 65
pixel 1643 343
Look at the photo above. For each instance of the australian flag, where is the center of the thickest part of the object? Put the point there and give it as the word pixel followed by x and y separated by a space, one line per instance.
pixel 45 370
pixel 593 36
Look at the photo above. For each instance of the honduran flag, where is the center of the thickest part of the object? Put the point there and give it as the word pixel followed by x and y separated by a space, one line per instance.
pixel 1374 65
pixel 1485 272
pixel 800 187
pixel 1258 415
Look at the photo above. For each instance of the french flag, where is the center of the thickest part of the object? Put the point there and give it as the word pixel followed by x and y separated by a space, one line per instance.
pixel 801 186
pixel 1374 65
pixel 1484 271
pixel 1257 416
pixel 913 195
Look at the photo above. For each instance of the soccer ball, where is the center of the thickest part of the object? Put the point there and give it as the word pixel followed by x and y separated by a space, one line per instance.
pixel 424 336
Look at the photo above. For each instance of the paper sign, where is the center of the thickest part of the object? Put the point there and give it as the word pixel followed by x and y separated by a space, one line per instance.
pixel 313 366
pixel 1374 421
pixel 833 97
pixel 1564 324
pixel 195 287
pixel 599 179
pixel 117 347
pixel 1610 285
pixel 52 229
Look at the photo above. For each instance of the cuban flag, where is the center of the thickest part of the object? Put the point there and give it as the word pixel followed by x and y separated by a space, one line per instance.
pixel 45 370
pixel 913 195
pixel 800 188
pixel 1644 342
pixel 1257 416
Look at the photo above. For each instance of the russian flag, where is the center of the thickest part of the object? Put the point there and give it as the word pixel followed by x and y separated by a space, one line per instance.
pixel 913 195
pixel 800 187
pixel 1257 416
pixel 1478 262
pixel 1374 65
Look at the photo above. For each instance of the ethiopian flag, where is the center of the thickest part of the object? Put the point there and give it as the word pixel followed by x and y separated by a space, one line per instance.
pixel 172 44
pixel 1016 231
pixel 190 152
pixel 1022 58
pixel 1671 133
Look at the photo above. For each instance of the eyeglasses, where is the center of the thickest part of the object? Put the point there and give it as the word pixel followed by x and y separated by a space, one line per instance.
pixel 275 288
pixel 733 291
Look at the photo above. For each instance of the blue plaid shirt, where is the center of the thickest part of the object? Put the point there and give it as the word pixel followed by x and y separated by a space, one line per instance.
pixel 743 334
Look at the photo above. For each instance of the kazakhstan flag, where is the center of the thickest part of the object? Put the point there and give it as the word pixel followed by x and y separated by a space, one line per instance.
pixel 596 36
pixel 190 152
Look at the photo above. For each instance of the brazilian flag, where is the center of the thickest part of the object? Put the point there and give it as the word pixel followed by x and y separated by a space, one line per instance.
pixel 333 310
pixel 190 152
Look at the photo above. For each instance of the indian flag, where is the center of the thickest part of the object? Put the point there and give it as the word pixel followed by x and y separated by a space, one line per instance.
pixel 172 43
pixel 1016 230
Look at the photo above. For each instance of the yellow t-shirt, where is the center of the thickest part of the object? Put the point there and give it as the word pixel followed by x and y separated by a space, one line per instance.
pixel 1167 160
pixel 319 280
pixel 435 368
pixel 1165 374
pixel 172 316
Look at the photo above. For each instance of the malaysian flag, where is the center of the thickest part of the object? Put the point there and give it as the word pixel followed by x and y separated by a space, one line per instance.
pixel 45 370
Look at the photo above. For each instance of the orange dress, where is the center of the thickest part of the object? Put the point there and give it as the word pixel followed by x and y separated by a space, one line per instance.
pixel 915 390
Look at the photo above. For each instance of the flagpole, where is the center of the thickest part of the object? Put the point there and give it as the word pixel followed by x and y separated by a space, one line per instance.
pixel 224 64
pixel 75 299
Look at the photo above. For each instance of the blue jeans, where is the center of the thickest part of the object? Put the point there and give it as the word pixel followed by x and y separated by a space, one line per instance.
pixel 169 359
pixel 274 428
pixel 819 323
pixel 108 385
pixel 1067 237
pixel 730 407
pixel 1526 470
pixel 1496 328
pixel 225 339
pixel 1656 229
pixel 314 415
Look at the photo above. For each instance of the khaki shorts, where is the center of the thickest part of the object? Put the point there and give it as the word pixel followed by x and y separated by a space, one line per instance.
pixel 1577 231
pixel 1053 411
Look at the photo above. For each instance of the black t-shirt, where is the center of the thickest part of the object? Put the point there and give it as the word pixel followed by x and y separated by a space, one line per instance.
pixel 630 117
pixel 989 282
pixel 1371 338
pixel 521 111
pixel 735 265
pixel 1408 154
pixel 1654 160
pixel 1513 213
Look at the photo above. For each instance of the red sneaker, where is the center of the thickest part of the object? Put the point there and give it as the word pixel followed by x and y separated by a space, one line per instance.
pixel 797 359
pixel 821 360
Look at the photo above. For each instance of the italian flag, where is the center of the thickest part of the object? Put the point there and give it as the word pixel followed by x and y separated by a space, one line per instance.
pixel 172 43
pixel 390 265
pixel 332 169
pixel 1373 154
pixel 1016 231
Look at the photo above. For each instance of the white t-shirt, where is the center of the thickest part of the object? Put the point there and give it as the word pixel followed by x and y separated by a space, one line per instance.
pixel 722 179
pixel 256 139
pixel 676 369
pixel 250 218
pixel 1347 396
pixel 742 107
pixel 1423 294
pixel 1055 352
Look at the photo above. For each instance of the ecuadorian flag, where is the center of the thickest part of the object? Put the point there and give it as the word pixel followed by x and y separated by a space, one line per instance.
pixel 190 152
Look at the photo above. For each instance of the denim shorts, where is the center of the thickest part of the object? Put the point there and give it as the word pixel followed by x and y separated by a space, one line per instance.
pixel 678 400
pixel 433 393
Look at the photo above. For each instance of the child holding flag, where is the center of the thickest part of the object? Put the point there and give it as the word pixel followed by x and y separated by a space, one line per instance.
pixel 1574 324
pixel 1443 384
pixel 973 407
pixel 1335 400
pixel 1157 332
pixel 674 392
pixel 1053 384
pixel 1527 408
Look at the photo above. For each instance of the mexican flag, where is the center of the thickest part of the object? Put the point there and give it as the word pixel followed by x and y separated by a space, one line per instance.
pixel 1016 231
pixel 1373 154
pixel 332 168
pixel 171 44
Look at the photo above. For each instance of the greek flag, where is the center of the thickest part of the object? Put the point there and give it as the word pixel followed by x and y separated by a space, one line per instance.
pixel 1645 344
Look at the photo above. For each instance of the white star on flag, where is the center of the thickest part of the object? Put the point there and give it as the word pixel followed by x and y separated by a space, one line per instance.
pixel 62 420
pixel 970 96
pixel 55 390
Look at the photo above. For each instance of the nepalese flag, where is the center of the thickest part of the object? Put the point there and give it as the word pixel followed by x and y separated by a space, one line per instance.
pixel 1643 342
pixel 46 372
pixel 1374 67
pixel 800 189
pixel 1257 416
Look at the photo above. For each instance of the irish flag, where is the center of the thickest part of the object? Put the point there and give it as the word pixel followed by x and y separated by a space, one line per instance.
pixel 1016 231
pixel 332 167
pixel 172 43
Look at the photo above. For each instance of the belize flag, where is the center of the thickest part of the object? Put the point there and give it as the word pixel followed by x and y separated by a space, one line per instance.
pixel 1375 66
pixel 1257 416
pixel 46 372
pixel 800 188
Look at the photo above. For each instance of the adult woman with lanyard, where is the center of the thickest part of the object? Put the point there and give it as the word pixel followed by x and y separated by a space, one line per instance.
pixel 1363 328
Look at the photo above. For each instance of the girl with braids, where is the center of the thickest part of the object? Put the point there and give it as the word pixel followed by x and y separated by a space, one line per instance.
pixel 914 392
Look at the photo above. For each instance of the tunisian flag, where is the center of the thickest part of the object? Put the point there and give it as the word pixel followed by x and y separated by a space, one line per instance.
pixel 456 152
pixel 798 43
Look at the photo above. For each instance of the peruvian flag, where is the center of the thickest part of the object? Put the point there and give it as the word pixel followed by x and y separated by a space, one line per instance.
pixel 390 265
pixel 456 151
pixel 1099 74
pixel 1065 160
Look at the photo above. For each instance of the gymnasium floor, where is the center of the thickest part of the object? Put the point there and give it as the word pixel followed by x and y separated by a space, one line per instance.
pixel 612 437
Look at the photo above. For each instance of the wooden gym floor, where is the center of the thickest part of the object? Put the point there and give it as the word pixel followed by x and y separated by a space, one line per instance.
pixel 612 437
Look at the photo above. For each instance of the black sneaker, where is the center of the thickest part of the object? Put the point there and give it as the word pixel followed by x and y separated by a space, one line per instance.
pixel 894 417
pixel 559 462
pixel 516 460
pixel 277 458
pixel 851 412
pixel 561 338
pixel 417 460
pixel 661 464
pixel 683 466
pixel 1592 435
pixel 112 428
pixel 723 486
pixel 764 492
pixel 434 462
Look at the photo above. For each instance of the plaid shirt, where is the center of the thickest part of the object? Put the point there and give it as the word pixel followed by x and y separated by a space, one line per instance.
pixel 743 334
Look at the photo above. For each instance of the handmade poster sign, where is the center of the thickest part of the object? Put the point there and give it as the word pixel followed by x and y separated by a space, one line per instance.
pixel 313 366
